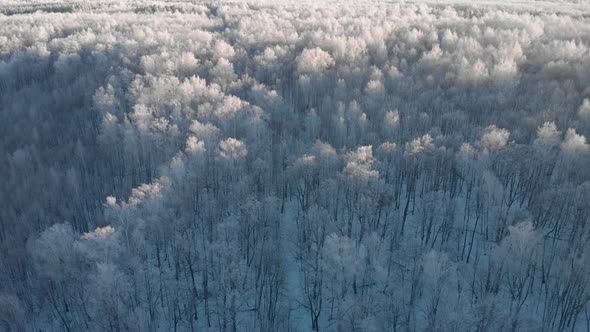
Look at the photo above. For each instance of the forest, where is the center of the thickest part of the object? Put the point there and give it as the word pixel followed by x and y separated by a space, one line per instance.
pixel 242 165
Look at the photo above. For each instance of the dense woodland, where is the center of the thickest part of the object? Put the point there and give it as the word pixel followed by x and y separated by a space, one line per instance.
pixel 345 166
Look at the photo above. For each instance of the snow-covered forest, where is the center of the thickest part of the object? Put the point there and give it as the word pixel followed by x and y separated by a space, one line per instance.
pixel 296 166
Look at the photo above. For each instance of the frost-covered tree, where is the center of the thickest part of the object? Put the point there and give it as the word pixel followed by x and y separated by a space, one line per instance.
pixel 280 166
